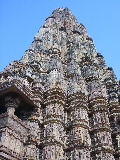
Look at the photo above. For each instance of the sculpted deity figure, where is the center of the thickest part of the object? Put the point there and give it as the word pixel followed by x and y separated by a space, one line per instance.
pixel 2 79
pixel 26 83
pixel 118 140
pixel 9 78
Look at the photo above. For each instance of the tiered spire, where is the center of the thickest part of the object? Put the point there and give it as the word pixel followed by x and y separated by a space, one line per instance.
pixel 69 98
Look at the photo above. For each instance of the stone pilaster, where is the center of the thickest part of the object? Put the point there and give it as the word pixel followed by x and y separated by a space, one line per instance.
pixel 54 135
pixel 79 141
pixel 114 108
pixel 32 144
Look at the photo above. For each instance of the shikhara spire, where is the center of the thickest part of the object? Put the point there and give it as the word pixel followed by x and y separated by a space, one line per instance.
pixel 60 101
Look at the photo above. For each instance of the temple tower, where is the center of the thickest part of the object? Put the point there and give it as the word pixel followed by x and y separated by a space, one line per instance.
pixel 60 101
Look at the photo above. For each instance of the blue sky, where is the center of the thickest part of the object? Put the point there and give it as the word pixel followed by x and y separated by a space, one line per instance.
pixel 21 19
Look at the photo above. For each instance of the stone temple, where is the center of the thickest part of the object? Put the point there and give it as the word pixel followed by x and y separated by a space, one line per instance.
pixel 60 101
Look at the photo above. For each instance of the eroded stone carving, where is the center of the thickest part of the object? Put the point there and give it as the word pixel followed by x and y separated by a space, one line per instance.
pixel 60 101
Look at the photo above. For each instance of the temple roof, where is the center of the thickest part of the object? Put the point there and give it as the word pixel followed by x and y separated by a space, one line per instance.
pixel 62 53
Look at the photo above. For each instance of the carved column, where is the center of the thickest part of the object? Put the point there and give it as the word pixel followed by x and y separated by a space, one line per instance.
pixel 54 136
pixel 100 126
pixel 33 142
pixel 11 103
pixel 114 107
pixel 79 140
pixel 11 141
